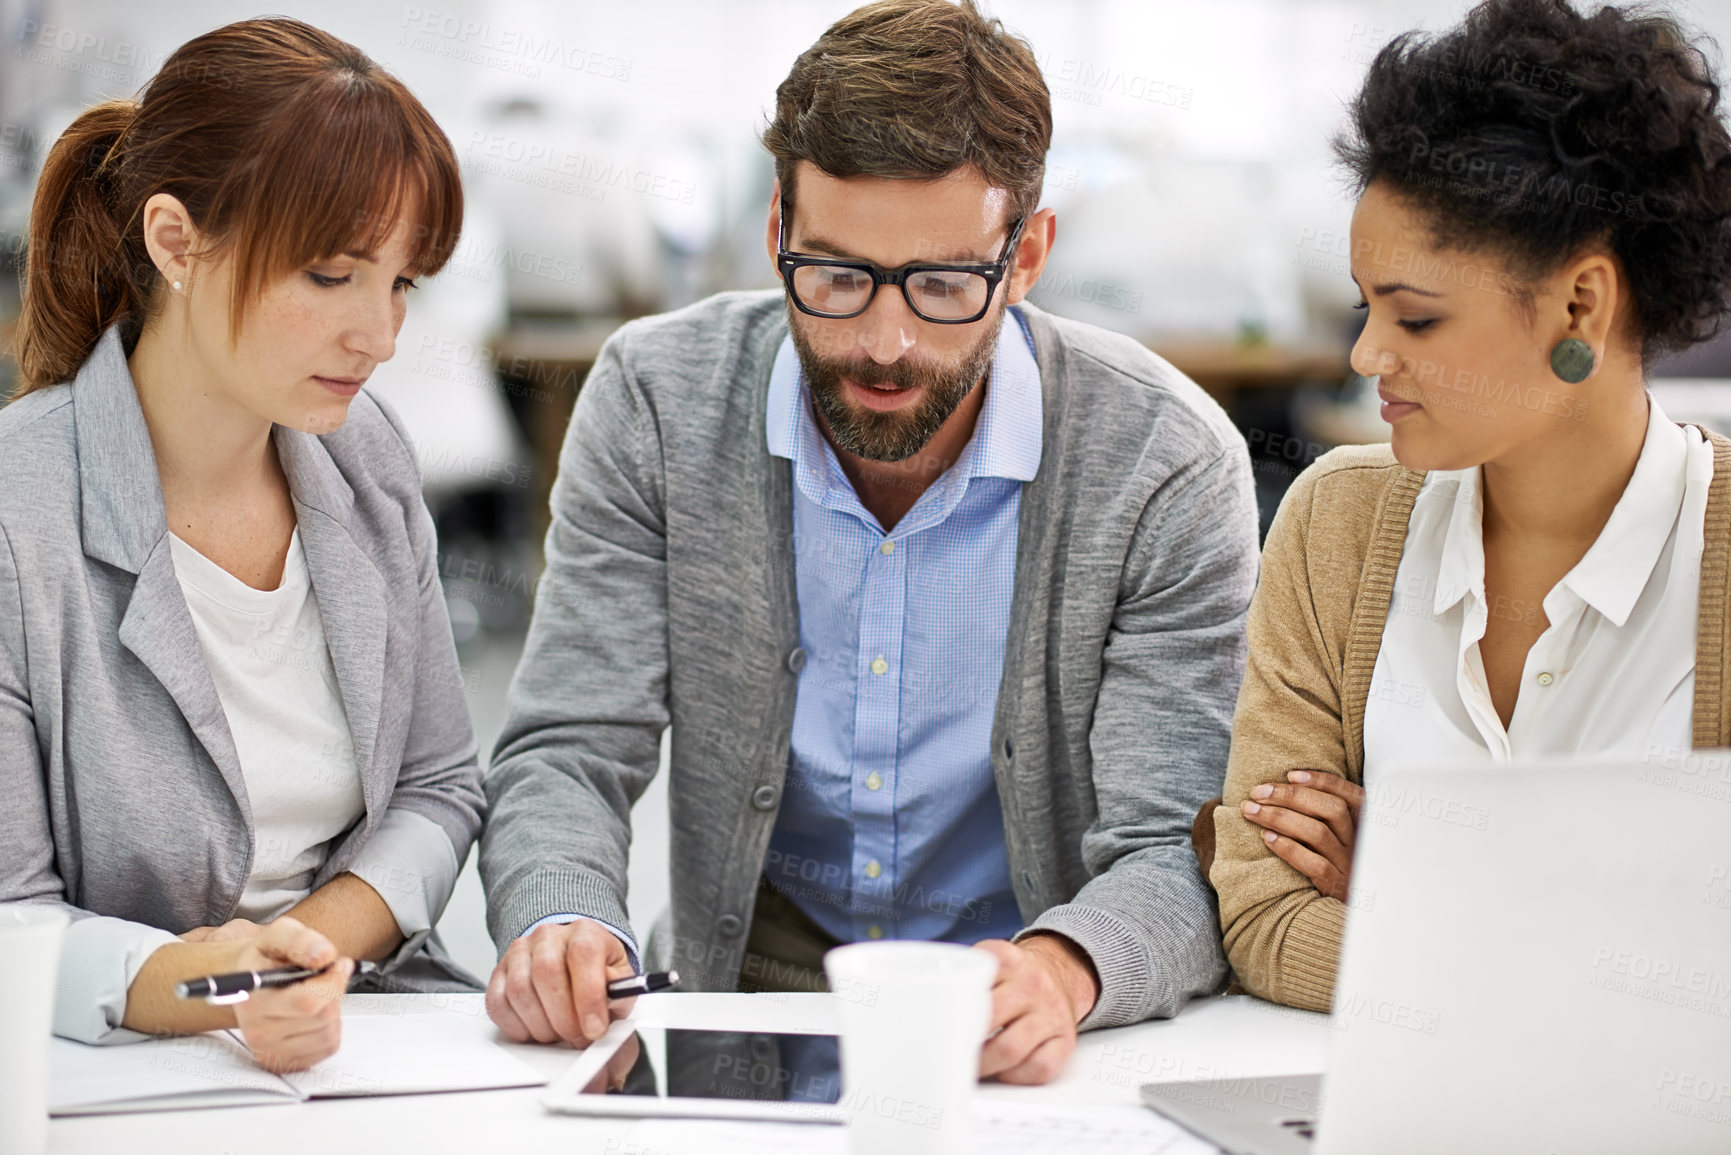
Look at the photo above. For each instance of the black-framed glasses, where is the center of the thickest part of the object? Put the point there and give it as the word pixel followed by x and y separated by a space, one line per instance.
pixel 944 294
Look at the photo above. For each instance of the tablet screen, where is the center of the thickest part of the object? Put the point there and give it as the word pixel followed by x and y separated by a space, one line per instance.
pixel 728 1065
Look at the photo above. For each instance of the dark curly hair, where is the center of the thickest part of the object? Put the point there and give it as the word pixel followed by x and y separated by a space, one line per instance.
pixel 1537 133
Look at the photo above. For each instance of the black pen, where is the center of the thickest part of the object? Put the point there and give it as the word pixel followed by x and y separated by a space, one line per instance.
pixel 642 984
pixel 237 986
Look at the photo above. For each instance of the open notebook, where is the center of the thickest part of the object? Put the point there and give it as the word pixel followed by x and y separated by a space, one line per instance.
pixel 381 1054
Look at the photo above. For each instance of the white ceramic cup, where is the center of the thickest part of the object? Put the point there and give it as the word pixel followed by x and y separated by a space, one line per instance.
pixel 30 938
pixel 913 1018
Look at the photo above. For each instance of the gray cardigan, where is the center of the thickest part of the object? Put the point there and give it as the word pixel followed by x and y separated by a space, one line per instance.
pixel 669 597
pixel 125 803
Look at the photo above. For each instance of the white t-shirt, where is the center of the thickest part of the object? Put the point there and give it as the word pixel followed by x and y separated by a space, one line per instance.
pixel 267 655
pixel 1614 672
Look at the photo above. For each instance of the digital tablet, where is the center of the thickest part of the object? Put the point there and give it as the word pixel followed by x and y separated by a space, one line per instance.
pixel 783 1077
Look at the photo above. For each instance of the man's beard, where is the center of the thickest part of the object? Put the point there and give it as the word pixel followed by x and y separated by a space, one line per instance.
pixel 897 435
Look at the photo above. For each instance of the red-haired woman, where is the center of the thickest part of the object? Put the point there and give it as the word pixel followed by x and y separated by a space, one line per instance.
pixel 232 726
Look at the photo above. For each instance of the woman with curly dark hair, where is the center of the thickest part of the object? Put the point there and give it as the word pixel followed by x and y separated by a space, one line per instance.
pixel 1538 564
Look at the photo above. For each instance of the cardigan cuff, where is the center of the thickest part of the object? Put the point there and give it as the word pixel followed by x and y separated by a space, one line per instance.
pixel 562 892
pixel 1127 983
pixel 1310 955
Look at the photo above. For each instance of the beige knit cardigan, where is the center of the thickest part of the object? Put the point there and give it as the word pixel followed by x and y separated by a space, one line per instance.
pixel 1315 627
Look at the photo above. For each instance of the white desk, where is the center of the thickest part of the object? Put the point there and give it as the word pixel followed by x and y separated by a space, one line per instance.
pixel 1221 1037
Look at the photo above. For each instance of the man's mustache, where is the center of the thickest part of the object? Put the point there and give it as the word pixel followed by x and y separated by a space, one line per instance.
pixel 902 374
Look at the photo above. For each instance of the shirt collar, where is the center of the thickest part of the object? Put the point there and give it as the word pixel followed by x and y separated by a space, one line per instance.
pixel 1007 437
pixel 1615 569
pixel 1462 568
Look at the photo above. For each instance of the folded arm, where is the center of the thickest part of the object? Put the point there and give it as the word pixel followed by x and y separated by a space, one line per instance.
pixel 1281 934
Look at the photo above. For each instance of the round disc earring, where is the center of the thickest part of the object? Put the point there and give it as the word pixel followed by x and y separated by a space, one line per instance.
pixel 1572 360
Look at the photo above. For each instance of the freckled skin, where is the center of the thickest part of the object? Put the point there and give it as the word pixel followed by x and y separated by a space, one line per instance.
pixel 211 391
pixel 297 329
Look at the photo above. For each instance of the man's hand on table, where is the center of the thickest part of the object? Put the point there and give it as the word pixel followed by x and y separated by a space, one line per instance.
pixel 551 984
pixel 1046 985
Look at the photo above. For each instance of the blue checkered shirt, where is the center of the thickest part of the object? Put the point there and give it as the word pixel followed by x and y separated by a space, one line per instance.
pixel 890 825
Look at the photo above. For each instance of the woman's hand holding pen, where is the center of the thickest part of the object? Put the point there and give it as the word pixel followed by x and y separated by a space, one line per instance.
pixel 291 1028
pixel 1310 823
pixel 287 1029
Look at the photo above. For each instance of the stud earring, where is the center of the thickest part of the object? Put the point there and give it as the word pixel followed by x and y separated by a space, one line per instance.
pixel 1572 360
pixel 177 286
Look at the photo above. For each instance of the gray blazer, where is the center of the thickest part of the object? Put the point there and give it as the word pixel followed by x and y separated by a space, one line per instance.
pixel 124 800
pixel 669 597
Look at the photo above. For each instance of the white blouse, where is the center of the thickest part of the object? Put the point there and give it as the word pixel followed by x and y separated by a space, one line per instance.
pixel 267 655
pixel 1614 672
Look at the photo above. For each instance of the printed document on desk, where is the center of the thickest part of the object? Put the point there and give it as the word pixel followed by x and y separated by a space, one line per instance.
pixel 1002 1127
pixel 380 1055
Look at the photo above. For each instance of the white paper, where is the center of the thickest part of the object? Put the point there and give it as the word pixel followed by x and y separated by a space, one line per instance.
pixel 1000 1126
pixel 208 1070
pixel 380 1055
pixel 414 1055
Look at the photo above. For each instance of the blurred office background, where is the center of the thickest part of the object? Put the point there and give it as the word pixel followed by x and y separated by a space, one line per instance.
pixel 612 168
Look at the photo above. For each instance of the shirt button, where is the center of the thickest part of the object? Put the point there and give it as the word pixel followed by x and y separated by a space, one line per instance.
pixel 887 548
pixel 873 782
pixel 729 925
pixel 764 797
pixel 880 667
pixel 1545 678
pixel 873 869
pixel 874 931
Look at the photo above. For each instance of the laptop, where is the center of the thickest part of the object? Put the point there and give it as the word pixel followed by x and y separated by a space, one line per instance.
pixel 1537 959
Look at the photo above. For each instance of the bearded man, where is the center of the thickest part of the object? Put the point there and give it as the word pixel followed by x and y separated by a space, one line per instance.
pixel 943 597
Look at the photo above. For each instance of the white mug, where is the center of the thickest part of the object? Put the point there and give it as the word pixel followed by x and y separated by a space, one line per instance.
pixel 914 1016
pixel 30 938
